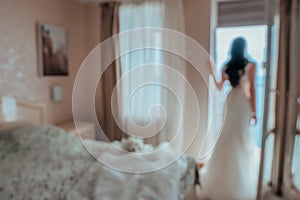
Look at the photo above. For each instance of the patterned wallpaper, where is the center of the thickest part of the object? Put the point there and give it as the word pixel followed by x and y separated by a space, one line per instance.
pixel 18 53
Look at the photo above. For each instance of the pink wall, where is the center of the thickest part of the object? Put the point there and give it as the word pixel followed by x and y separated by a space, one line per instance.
pixel 18 53
pixel 197 20
pixel 197 26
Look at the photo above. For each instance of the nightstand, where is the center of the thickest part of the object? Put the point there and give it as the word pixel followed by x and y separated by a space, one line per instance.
pixel 85 129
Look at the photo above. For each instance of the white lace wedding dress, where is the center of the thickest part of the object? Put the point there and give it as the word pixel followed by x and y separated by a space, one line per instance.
pixel 232 170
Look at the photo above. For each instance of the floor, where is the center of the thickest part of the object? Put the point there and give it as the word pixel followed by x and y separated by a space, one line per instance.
pixel 194 195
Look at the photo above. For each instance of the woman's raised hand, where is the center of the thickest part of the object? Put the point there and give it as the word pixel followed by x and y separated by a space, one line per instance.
pixel 210 66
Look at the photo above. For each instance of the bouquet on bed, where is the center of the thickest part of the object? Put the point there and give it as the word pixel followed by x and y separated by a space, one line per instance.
pixel 135 144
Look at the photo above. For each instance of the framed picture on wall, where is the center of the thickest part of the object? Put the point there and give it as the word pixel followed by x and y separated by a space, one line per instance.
pixel 52 50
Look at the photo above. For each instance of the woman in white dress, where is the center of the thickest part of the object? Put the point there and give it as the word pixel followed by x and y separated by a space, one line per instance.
pixel 230 173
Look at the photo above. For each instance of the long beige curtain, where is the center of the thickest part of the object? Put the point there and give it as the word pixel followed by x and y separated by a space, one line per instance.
pixel 284 166
pixel 109 27
pixel 283 86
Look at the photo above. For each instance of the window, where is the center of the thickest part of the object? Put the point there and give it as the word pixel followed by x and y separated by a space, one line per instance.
pixel 141 99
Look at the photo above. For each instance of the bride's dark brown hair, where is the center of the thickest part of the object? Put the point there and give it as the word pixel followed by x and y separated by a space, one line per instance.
pixel 237 63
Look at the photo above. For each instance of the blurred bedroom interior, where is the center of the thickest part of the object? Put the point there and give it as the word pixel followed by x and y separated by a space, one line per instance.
pixel 120 99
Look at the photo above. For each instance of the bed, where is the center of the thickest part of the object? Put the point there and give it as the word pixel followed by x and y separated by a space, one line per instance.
pixel 44 162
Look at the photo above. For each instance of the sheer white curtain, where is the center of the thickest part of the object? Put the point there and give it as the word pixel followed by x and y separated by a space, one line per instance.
pixel 133 16
pixel 139 65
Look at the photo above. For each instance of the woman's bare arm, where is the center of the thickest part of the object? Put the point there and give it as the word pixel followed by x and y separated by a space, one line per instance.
pixel 252 89
pixel 220 84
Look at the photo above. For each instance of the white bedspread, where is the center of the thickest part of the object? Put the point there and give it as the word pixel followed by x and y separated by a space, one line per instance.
pixel 44 162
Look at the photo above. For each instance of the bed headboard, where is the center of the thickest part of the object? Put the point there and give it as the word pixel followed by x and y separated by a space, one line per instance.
pixel 13 113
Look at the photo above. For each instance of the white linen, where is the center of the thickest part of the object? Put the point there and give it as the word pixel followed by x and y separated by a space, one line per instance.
pixel 45 162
